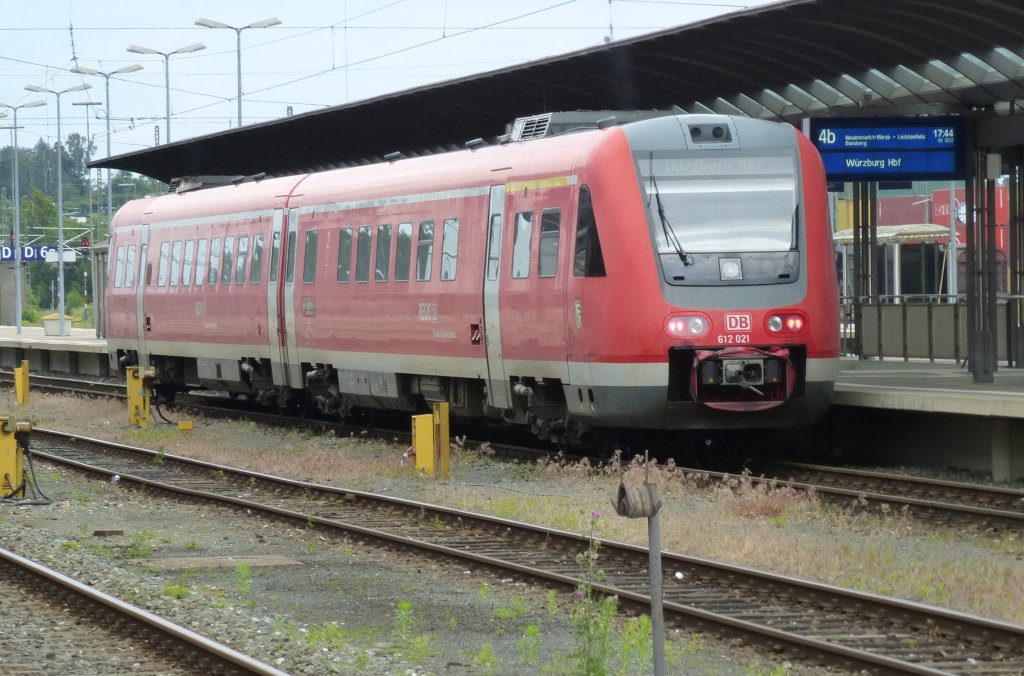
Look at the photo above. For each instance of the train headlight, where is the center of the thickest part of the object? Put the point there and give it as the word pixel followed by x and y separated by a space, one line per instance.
pixel 730 269
pixel 687 326
pixel 786 323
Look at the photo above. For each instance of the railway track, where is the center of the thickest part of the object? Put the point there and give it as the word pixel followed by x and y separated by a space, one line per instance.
pixel 53 624
pixel 938 501
pixel 804 620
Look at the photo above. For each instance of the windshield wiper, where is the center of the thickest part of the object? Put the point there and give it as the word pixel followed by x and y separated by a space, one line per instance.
pixel 666 227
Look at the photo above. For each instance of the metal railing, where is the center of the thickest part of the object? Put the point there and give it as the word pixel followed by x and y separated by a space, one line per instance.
pixel 924 326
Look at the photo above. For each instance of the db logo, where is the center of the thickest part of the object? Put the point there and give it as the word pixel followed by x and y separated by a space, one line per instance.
pixel 737 322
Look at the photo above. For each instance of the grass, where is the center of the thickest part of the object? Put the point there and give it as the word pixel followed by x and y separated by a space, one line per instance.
pixel 766 527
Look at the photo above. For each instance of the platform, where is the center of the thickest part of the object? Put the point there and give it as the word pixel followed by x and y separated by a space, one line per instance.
pixel 884 411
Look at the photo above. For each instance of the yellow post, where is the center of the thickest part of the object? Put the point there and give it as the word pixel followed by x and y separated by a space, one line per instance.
pixel 138 395
pixel 21 383
pixel 12 461
pixel 423 442
pixel 442 442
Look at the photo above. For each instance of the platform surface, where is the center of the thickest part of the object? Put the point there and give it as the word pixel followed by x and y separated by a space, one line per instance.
pixel 34 338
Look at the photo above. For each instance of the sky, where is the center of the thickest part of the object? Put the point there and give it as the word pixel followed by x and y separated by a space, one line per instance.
pixel 323 53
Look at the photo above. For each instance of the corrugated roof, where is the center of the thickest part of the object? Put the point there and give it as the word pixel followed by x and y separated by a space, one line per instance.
pixel 784 61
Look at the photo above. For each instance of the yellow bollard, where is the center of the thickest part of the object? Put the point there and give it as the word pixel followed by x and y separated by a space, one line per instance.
pixel 21 383
pixel 12 458
pixel 442 441
pixel 423 442
pixel 138 395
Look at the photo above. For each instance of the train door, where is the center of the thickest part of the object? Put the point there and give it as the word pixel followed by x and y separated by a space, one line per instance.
pixel 291 346
pixel 497 381
pixel 142 321
pixel 275 306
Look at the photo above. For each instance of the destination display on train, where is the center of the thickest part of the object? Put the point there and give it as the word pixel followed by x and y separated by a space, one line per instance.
pixel 888 149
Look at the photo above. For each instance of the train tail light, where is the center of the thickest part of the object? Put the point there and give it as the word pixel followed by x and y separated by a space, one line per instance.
pixel 786 323
pixel 688 325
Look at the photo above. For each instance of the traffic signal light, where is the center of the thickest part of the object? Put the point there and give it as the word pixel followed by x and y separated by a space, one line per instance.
pixel 85 242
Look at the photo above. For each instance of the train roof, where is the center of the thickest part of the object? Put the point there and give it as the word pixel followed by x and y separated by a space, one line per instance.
pixel 783 61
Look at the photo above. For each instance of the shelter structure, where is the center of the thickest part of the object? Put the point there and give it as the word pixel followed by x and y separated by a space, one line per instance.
pixel 790 60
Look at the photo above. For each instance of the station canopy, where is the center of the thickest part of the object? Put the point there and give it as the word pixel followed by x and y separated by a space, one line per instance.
pixel 787 61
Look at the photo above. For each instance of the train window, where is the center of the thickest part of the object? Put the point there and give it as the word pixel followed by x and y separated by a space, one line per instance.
pixel 256 270
pixel 227 265
pixel 129 266
pixel 449 248
pixel 309 258
pixel 588 261
pixel 383 252
pixel 200 262
pixel 289 268
pixel 424 251
pixel 211 278
pixel 190 257
pixel 119 267
pixel 547 260
pixel 275 256
pixel 175 262
pixel 241 259
pixel 494 247
pixel 344 255
pixel 165 255
pixel 521 245
pixel 403 252
pixel 363 245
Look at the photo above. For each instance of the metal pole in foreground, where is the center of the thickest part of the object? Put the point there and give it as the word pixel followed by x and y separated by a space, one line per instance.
pixel 635 503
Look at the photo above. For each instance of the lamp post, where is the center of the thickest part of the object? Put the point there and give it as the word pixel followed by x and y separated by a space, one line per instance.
pixel 60 194
pixel 266 23
pixel 17 212
pixel 167 70
pixel 106 76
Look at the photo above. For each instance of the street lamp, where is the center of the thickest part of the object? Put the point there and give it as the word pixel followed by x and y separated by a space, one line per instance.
pixel 17 212
pixel 167 70
pixel 60 193
pixel 106 76
pixel 266 23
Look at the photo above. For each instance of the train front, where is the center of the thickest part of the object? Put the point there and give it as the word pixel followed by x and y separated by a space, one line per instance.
pixel 737 213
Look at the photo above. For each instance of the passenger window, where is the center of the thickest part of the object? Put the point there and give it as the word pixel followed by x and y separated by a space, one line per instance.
pixel 494 247
pixel 275 257
pixel 547 260
pixel 449 248
pixel 383 252
pixel 403 252
pixel 289 268
pixel 256 271
pixel 242 259
pixel 344 255
pixel 424 251
pixel 363 253
pixel 211 278
pixel 165 254
pixel 175 262
pixel 587 259
pixel 226 265
pixel 309 258
pixel 200 262
pixel 119 268
pixel 521 245
pixel 190 257
pixel 129 267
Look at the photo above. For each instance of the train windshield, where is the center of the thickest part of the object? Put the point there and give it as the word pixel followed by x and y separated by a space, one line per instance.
pixel 721 203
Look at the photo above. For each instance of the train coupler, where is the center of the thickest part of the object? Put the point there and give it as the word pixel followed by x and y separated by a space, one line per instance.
pixel 742 378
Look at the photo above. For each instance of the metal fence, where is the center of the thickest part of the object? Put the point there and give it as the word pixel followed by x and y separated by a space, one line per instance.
pixel 928 327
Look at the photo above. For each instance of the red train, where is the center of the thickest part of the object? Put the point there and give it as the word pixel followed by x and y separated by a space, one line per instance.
pixel 674 273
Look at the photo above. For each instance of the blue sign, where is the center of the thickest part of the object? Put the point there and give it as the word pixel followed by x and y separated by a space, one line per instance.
pixel 28 253
pixel 890 149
